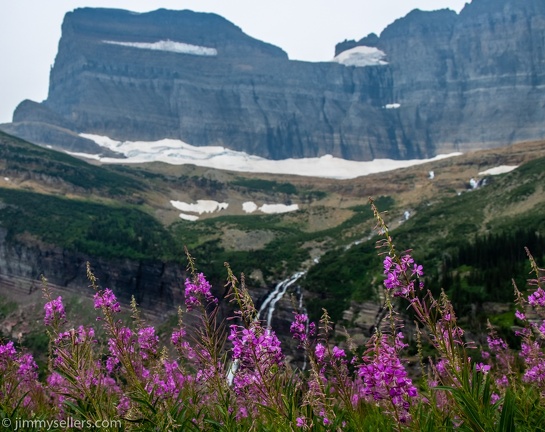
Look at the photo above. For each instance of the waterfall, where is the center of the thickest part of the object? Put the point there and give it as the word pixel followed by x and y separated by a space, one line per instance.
pixel 268 306
pixel 275 295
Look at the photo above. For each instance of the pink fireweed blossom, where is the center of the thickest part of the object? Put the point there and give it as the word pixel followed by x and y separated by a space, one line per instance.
pixel 196 290
pixel 298 328
pixel 53 309
pixel 496 345
pixel 183 347
pixel 520 315
pixel 398 275
pixel 123 343
pixel 338 353
pixel 84 335
pixel 385 380
pixel 28 369
pixel 320 352
pixel 177 336
pixel 537 298
pixel 502 381
pixel 259 355
pixel 148 341
pixel 532 355
pixel 7 353
pixel 169 382
pixel 483 368
pixel 106 299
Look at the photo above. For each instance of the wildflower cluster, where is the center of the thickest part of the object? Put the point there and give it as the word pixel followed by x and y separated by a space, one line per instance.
pixel 232 374
pixel 54 309
pixel 385 379
pixel 197 290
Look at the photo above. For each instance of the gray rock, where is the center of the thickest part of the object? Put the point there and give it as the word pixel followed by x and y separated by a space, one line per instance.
pixel 457 82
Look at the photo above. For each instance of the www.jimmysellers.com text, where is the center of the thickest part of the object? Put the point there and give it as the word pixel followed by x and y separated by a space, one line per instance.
pixel 19 424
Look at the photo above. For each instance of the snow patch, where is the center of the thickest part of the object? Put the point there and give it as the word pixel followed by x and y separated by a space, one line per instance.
pixel 361 56
pixel 200 207
pixel 392 106
pixel 176 152
pixel 278 208
pixel 191 218
pixel 249 207
pixel 502 169
pixel 169 46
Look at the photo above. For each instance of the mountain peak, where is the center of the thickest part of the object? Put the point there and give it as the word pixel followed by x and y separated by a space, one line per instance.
pixel 439 82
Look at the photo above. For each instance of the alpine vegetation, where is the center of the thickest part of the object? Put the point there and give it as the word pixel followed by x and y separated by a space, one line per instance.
pixel 232 374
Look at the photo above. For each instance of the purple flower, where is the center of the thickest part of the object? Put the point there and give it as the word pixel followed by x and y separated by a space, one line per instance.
pixel 483 368
pixel 496 344
pixel 182 346
pixel 502 382
pixel 384 378
pixel 123 406
pixel 148 341
pixel 301 329
pixel 301 422
pixel 259 355
pixel 418 270
pixel 177 336
pixel 53 309
pixel 537 298
pixel 83 335
pixel 106 299
pixel 7 351
pixel 535 374
pixel 196 290
pixel 388 263
pixel 320 352
pixel 398 275
pixel 28 369
pixel 338 353
pixel 520 315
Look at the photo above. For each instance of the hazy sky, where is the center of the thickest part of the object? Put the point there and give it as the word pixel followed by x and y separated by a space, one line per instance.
pixel 305 29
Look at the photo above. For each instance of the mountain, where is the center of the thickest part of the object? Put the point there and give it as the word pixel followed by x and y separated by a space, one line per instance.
pixel 431 83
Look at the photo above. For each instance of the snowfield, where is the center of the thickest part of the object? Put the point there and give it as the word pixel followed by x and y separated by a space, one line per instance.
pixel 211 206
pixel 361 56
pixel 502 169
pixel 169 46
pixel 177 152
pixel 201 206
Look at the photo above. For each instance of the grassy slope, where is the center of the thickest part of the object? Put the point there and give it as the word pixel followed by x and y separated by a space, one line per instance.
pixel 111 211
pixel 480 232
pixel 116 212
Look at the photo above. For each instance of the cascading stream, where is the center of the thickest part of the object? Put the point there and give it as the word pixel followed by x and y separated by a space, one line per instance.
pixel 270 302
pixel 268 307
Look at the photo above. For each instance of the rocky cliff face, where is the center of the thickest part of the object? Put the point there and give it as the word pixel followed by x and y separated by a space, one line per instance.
pixel 449 82
pixel 155 285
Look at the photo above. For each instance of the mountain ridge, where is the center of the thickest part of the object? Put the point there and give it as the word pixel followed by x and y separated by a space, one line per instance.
pixel 452 82
pixel 449 82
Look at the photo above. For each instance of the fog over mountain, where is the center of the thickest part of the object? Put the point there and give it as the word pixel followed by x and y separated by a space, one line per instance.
pixel 430 83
